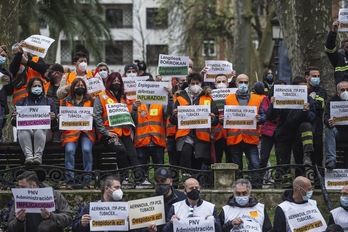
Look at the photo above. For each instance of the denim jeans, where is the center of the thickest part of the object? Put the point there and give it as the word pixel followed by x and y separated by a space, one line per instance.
pixel 70 149
pixel 235 155
pixel 332 135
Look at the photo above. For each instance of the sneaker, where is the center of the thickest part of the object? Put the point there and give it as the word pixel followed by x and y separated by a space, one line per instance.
pixel 29 160
pixel 331 164
pixel 37 160
pixel 145 185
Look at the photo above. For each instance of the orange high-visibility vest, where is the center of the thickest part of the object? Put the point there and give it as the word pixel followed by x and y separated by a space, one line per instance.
pixel 70 77
pixel 150 126
pixel 202 133
pixel 107 98
pixel 72 136
pixel 31 73
pixel 170 128
pixel 235 136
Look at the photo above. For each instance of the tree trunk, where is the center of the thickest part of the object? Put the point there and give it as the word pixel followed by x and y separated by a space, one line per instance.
pixel 305 25
pixel 9 18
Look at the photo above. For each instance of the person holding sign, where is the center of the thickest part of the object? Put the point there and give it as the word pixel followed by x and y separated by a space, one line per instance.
pixel 6 89
pixel 21 221
pixel 111 191
pixel 115 137
pixel 298 212
pixel 241 141
pixel 337 58
pixel 103 70
pixel 32 141
pixel 71 138
pixel 339 215
pixel 243 210
pixel 192 207
pixel 335 120
pixel 193 145
pixel 80 62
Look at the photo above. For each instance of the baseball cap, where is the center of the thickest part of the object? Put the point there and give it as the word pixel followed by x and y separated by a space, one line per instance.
pixel 130 66
pixel 163 173
pixel 56 68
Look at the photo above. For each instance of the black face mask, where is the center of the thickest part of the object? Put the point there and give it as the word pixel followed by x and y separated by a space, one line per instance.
pixel 80 91
pixel 115 87
pixel 183 85
pixel 193 195
pixel 162 189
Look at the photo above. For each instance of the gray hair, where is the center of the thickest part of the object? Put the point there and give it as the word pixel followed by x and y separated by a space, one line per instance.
pixel 108 181
pixel 339 85
pixel 242 182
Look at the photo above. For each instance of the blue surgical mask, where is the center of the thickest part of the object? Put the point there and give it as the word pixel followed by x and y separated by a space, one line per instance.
pixel 2 60
pixel 307 196
pixel 131 74
pixel 242 201
pixel 315 81
pixel 269 76
pixel 36 90
pixel 344 201
pixel 103 74
pixel 243 88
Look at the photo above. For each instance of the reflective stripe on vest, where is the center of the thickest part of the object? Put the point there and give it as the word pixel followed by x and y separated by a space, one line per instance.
pixel 150 127
pixel 235 136
pixel 201 134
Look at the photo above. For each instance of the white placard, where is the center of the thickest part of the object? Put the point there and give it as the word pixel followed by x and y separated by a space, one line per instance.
pixel 150 92
pixel 38 45
pixel 33 117
pixel 240 117
pixel 194 116
pixel 343 19
pixel 94 85
pixel 219 96
pixel 306 218
pixel 33 199
pixel 145 212
pixel 217 67
pixel 194 224
pixel 339 112
pixel 108 216
pixel 130 86
pixel 290 96
pixel 75 118
pixel 174 66
pixel 336 178
pixel 118 115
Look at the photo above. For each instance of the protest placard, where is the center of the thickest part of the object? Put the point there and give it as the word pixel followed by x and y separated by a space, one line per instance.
pixel 336 178
pixel 240 117
pixel 194 224
pixel 33 117
pixel 217 67
pixel 290 96
pixel 343 19
pixel 94 85
pixel 75 118
pixel 130 86
pixel 194 116
pixel 37 45
pixel 108 216
pixel 33 199
pixel 149 92
pixel 147 211
pixel 219 96
pixel 305 218
pixel 118 115
pixel 339 112
pixel 169 65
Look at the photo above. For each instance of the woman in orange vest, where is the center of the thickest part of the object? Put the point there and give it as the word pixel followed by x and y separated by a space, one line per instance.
pixel 193 145
pixel 78 97
pixel 116 138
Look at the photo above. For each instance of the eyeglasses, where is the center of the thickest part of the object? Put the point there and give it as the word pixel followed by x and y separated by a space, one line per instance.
pixel 344 89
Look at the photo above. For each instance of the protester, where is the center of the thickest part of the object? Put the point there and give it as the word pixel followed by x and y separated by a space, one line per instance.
pixel 294 203
pixel 243 210
pixel 78 97
pixel 193 206
pixel 142 69
pixel 32 141
pixel 103 71
pixel 21 221
pixel 131 70
pixel 47 226
pixel 268 81
pixel 6 90
pixel 55 74
pixel 339 215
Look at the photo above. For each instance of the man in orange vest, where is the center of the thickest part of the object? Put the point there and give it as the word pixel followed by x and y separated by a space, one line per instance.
pixel 80 62
pixel 193 145
pixel 241 141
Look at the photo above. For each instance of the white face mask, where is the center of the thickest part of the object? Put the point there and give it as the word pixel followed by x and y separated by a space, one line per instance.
pixel 195 88
pixel 344 96
pixel 117 195
pixel 221 86
pixel 131 74
pixel 82 66
pixel 103 74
